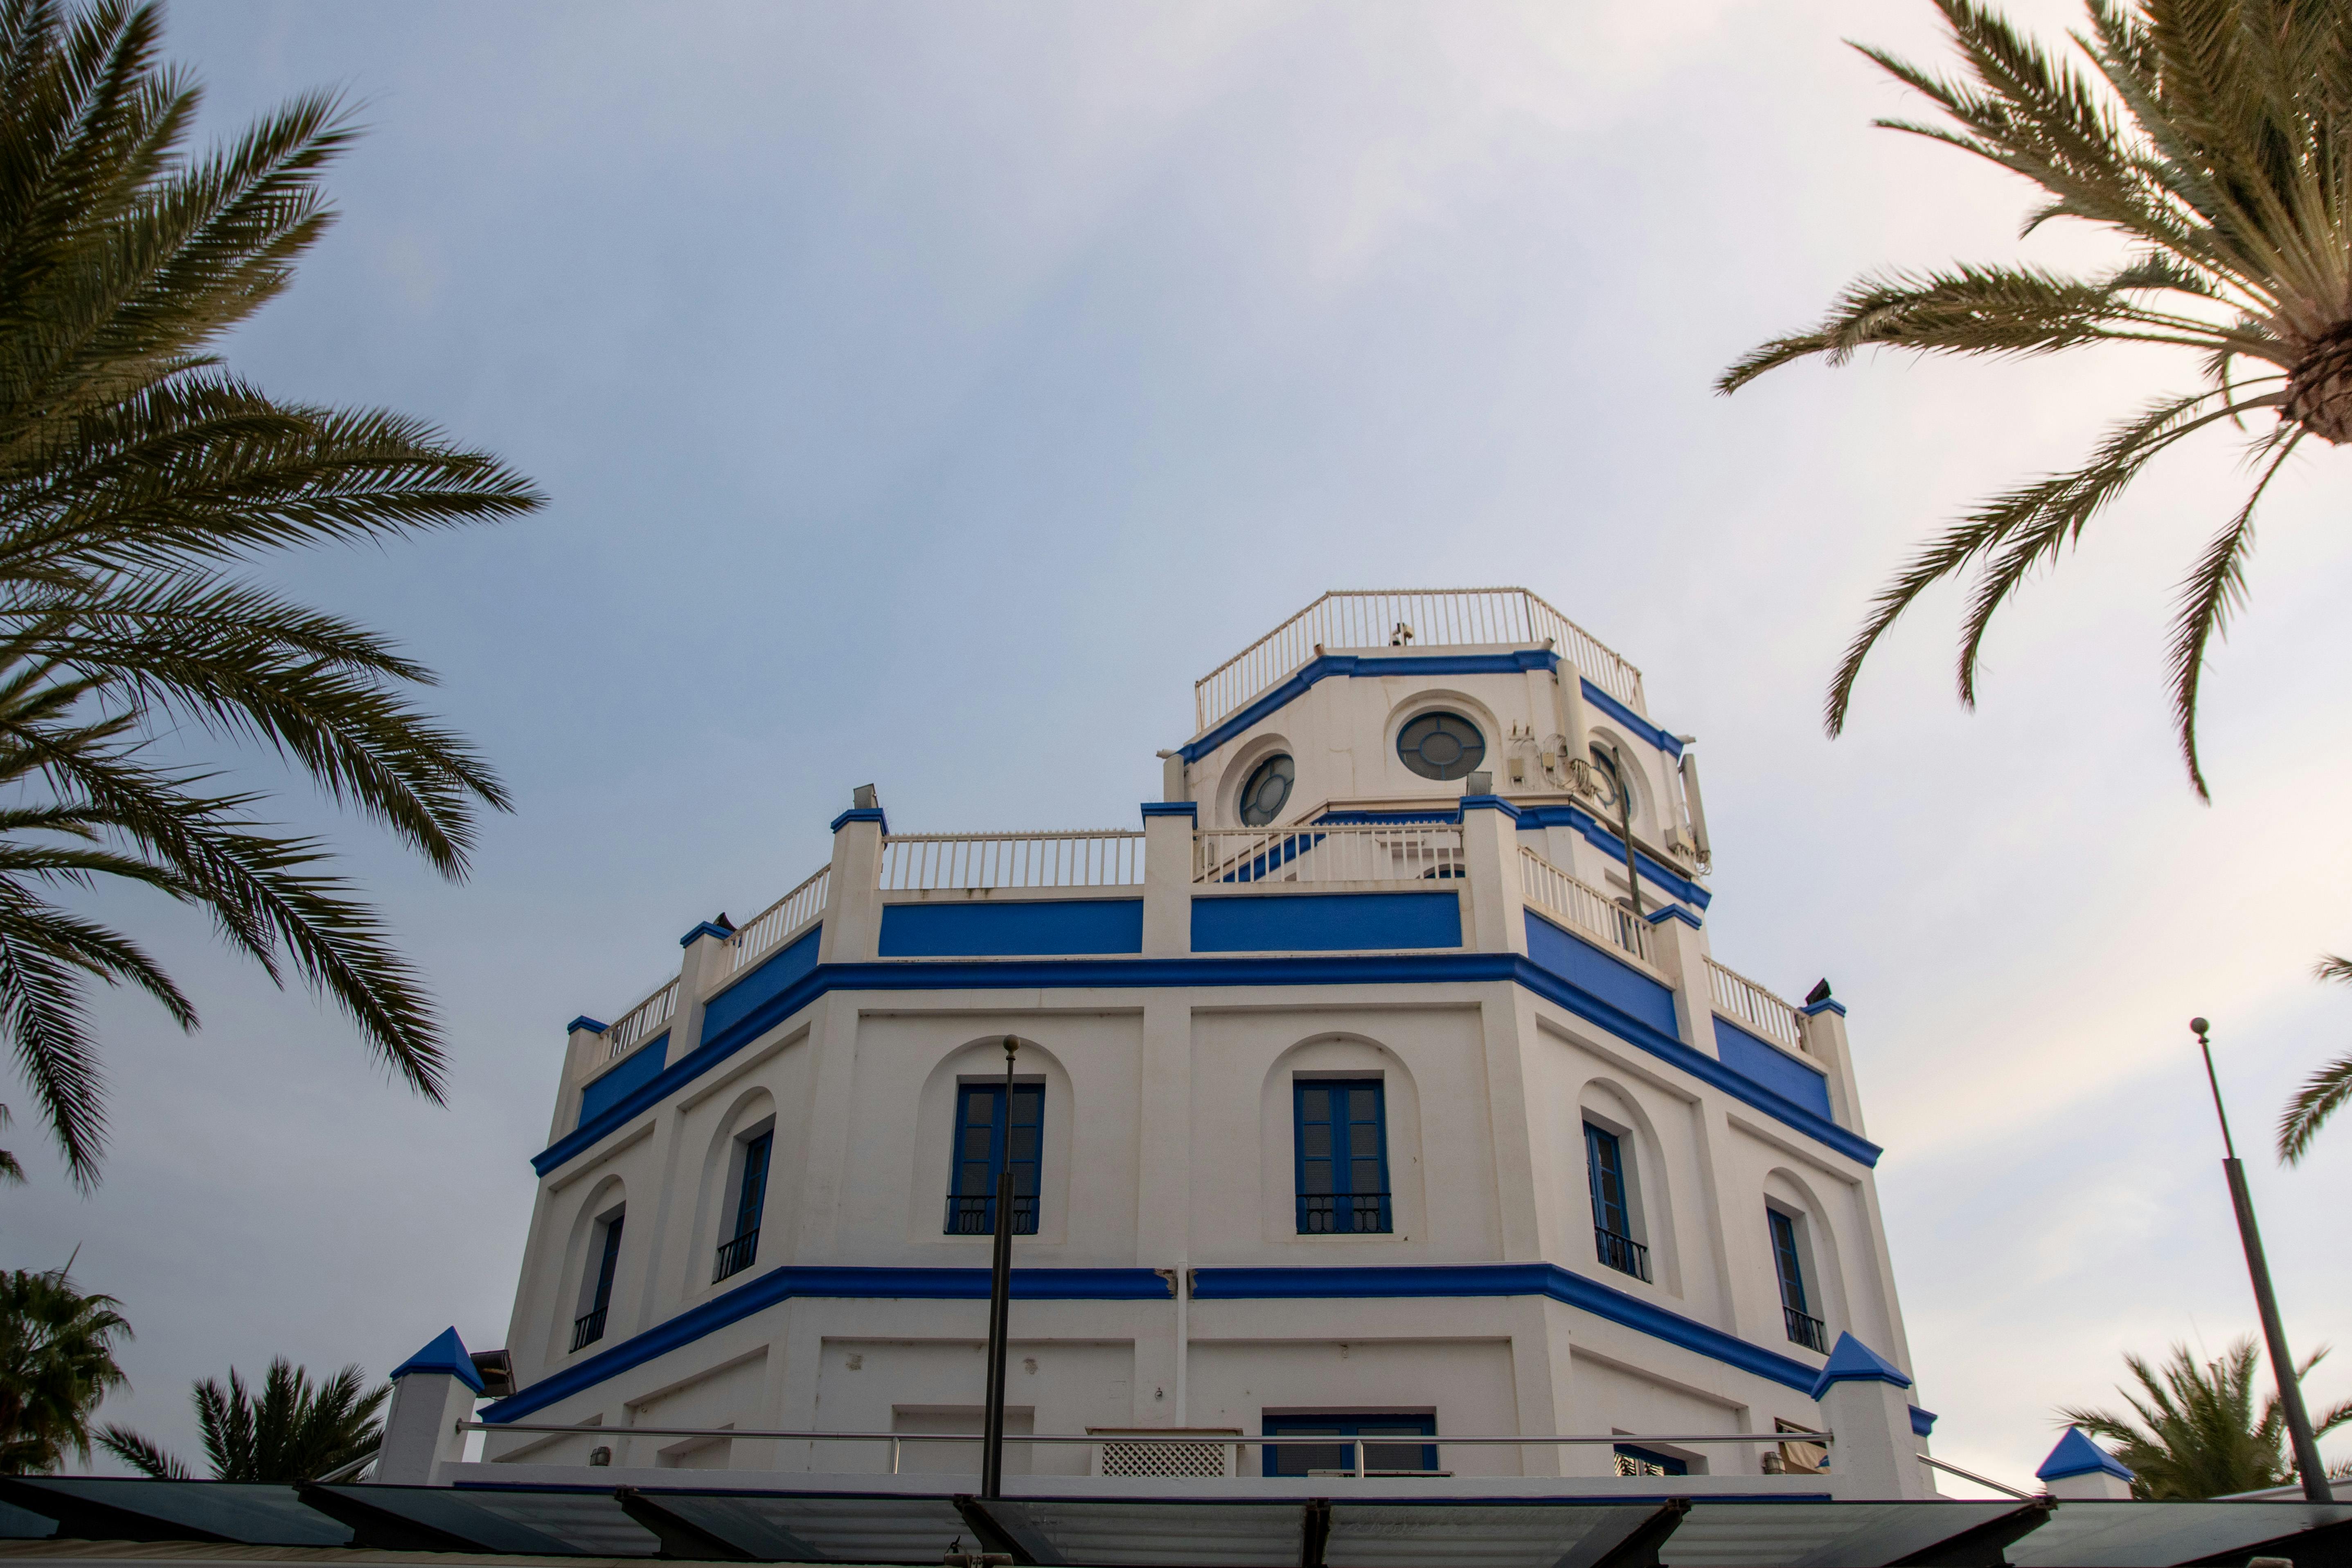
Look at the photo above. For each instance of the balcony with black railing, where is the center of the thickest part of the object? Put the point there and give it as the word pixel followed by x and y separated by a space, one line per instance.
pixel 736 1255
pixel 588 1328
pixel 1807 1331
pixel 1621 1253
pixel 1343 1214
pixel 977 1215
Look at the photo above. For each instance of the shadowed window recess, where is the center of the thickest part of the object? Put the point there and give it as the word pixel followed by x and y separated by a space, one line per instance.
pixel 589 1326
pixel 1612 1214
pixel 1341 1129
pixel 1796 1314
pixel 1442 746
pixel 1635 1460
pixel 984 1137
pixel 737 1251
pixel 1268 791
pixel 1340 1456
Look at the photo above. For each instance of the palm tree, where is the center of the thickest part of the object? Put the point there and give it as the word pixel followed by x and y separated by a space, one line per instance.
pixel 291 1432
pixel 57 1362
pixel 139 481
pixel 2323 1091
pixel 2197 1436
pixel 2213 140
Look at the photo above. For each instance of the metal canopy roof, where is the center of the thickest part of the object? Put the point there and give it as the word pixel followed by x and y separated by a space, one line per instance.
pixel 738 1525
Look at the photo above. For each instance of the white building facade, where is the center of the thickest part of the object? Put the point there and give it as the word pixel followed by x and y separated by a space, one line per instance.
pixel 1358 1094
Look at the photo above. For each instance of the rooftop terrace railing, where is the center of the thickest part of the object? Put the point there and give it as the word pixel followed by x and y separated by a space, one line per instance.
pixel 1427 617
pixel 1753 1009
pixel 641 1022
pixel 1584 907
pixel 773 926
pixel 1325 853
pixel 921 862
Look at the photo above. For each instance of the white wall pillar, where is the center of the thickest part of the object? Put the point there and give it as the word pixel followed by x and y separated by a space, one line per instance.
pixel 2078 1468
pixel 702 966
pixel 1168 877
pixel 432 1391
pixel 852 894
pixel 1866 1406
pixel 1682 954
pixel 584 1050
pixel 1825 1041
pixel 1490 854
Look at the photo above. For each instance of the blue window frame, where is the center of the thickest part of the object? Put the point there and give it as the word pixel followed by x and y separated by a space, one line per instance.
pixel 984 1137
pixel 589 1326
pixel 1612 1228
pixel 1301 1459
pixel 1341 1136
pixel 1796 1315
pixel 737 1252
pixel 1635 1460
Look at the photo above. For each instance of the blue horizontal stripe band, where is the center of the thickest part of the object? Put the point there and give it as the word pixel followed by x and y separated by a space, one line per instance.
pixel 1632 720
pixel 1505 1280
pixel 857 1284
pixel 1424 969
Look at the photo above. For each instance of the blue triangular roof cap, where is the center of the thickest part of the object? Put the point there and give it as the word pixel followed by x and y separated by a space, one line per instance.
pixel 445 1353
pixel 1851 1361
pixel 2076 1455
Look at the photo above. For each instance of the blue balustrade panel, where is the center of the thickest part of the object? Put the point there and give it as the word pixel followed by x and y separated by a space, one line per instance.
pixel 1594 972
pixel 769 977
pixel 1774 1069
pixel 1013 929
pixel 636 1069
pixel 1326 922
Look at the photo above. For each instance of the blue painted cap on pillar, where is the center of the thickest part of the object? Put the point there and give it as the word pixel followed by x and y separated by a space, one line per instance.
pixel 2076 1455
pixel 1923 1422
pixel 1490 803
pixel 1851 1361
pixel 445 1353
pixel 1186 809
pixel 583 1022
pixel 862 814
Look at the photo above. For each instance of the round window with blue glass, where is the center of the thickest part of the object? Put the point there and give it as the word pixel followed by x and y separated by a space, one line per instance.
pixel 1268 791
pixel 1442 746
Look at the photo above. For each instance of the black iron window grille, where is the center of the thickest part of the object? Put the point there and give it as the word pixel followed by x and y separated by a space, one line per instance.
pixel 734 1257
pixel 1808 1331
pixel 587 1329
pixel 970 1215
pixel 1342 1213
pixel 1621 1253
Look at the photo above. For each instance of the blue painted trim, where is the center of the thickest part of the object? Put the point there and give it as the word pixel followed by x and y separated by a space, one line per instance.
pixel 2076 1455
pixel 1639 726
pixel 585 1022
pixel 1851 1361
pixel 445 1353
pixel 1490 803
pixel 1605 840
pixel 854 1284
pixel 1017 928
pixel 1371 818
pixel 1923 1422
pixel 1127 973
pixel 1826 1004
pixel 861 814
pixel 705 929
pixel 623 1080
pixel 1326 922
pixel 1549 1280
pixel 1674 912
pixel 1325 666
pixel 1189 809
pixel 1783 1072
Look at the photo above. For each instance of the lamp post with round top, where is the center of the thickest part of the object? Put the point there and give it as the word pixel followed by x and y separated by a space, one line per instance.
pixel 2307 1464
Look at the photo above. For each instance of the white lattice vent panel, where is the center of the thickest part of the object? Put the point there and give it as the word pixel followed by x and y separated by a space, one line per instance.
pixel 1183 1461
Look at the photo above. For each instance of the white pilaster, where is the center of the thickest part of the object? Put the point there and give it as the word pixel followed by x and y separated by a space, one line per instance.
pixel 1167 879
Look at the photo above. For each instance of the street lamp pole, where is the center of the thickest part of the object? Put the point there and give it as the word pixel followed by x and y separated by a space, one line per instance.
pixel 999 1298
pixel 2308 1463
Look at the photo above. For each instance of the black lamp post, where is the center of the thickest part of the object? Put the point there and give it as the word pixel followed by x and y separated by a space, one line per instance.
pixel 1000 1299
pixel 2307 1462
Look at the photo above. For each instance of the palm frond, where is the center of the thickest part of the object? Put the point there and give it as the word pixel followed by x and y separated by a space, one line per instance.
pixel 142 1453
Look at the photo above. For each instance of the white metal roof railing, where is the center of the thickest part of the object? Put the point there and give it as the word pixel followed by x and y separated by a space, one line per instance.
pixel 1747 1003
pixel 1434 616
pixel 1108 857
pixel 787 917
pixel 1585 907
pixel 1329 853
pixel 642 1022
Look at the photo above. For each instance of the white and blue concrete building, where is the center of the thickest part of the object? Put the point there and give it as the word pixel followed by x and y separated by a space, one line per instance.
pixel 1379 1082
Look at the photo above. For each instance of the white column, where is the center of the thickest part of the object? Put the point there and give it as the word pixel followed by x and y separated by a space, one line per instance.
pixel 432 1391
pixel 1866 1406
pixel 1168 877
pixel 1490 855
pixel 2078 1468
pixel 1681 954
pixel 852 894
pixel 1825 1041
pixel 584 1051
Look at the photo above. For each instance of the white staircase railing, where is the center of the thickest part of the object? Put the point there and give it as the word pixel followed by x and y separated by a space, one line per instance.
pixel 779 922
pixel 1322 854
pixel 1428 617
pixel 1751 1007
pixel 1584 907
pixel 641 1022
pixel 930 862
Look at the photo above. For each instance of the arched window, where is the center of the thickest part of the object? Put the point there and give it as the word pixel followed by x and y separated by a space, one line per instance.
pixel 752 1156
pixel 1607 1167
pixel 1441 746
pixel 1799 1308
pixel 596 1280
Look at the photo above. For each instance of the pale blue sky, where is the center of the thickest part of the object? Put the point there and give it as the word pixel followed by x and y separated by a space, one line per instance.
pixel 929 393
